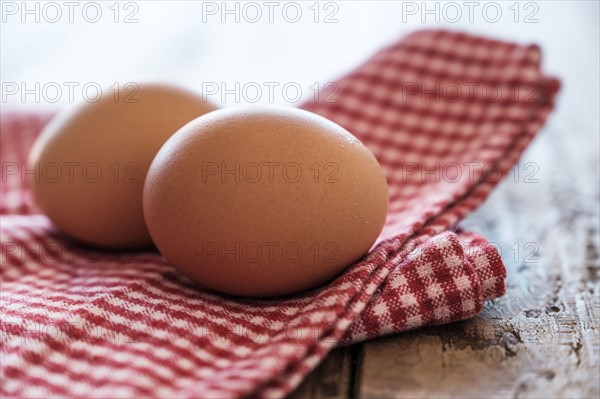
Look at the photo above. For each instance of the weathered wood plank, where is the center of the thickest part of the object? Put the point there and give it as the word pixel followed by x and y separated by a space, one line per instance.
pixel 332 379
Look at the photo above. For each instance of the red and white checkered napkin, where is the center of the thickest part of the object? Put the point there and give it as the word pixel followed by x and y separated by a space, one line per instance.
pixel 79 322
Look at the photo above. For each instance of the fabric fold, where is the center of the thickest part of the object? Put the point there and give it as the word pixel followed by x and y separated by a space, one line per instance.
pixel 438 282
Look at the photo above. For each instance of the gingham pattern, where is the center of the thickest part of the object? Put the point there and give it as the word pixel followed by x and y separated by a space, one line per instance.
pixel 80 322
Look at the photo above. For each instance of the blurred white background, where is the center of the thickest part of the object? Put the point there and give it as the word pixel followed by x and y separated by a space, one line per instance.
pixel 51 51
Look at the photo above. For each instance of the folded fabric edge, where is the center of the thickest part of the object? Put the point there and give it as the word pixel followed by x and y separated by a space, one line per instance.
pixel 487 263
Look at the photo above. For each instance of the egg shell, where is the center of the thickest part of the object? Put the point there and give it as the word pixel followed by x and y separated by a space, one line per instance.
pixel 264 202
pixel 90 162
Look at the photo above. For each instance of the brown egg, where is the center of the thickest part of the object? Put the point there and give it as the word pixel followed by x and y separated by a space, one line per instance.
pixel 89 164
pixel 264 202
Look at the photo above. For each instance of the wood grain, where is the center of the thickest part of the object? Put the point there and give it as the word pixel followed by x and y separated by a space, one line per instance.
pixel 331 379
